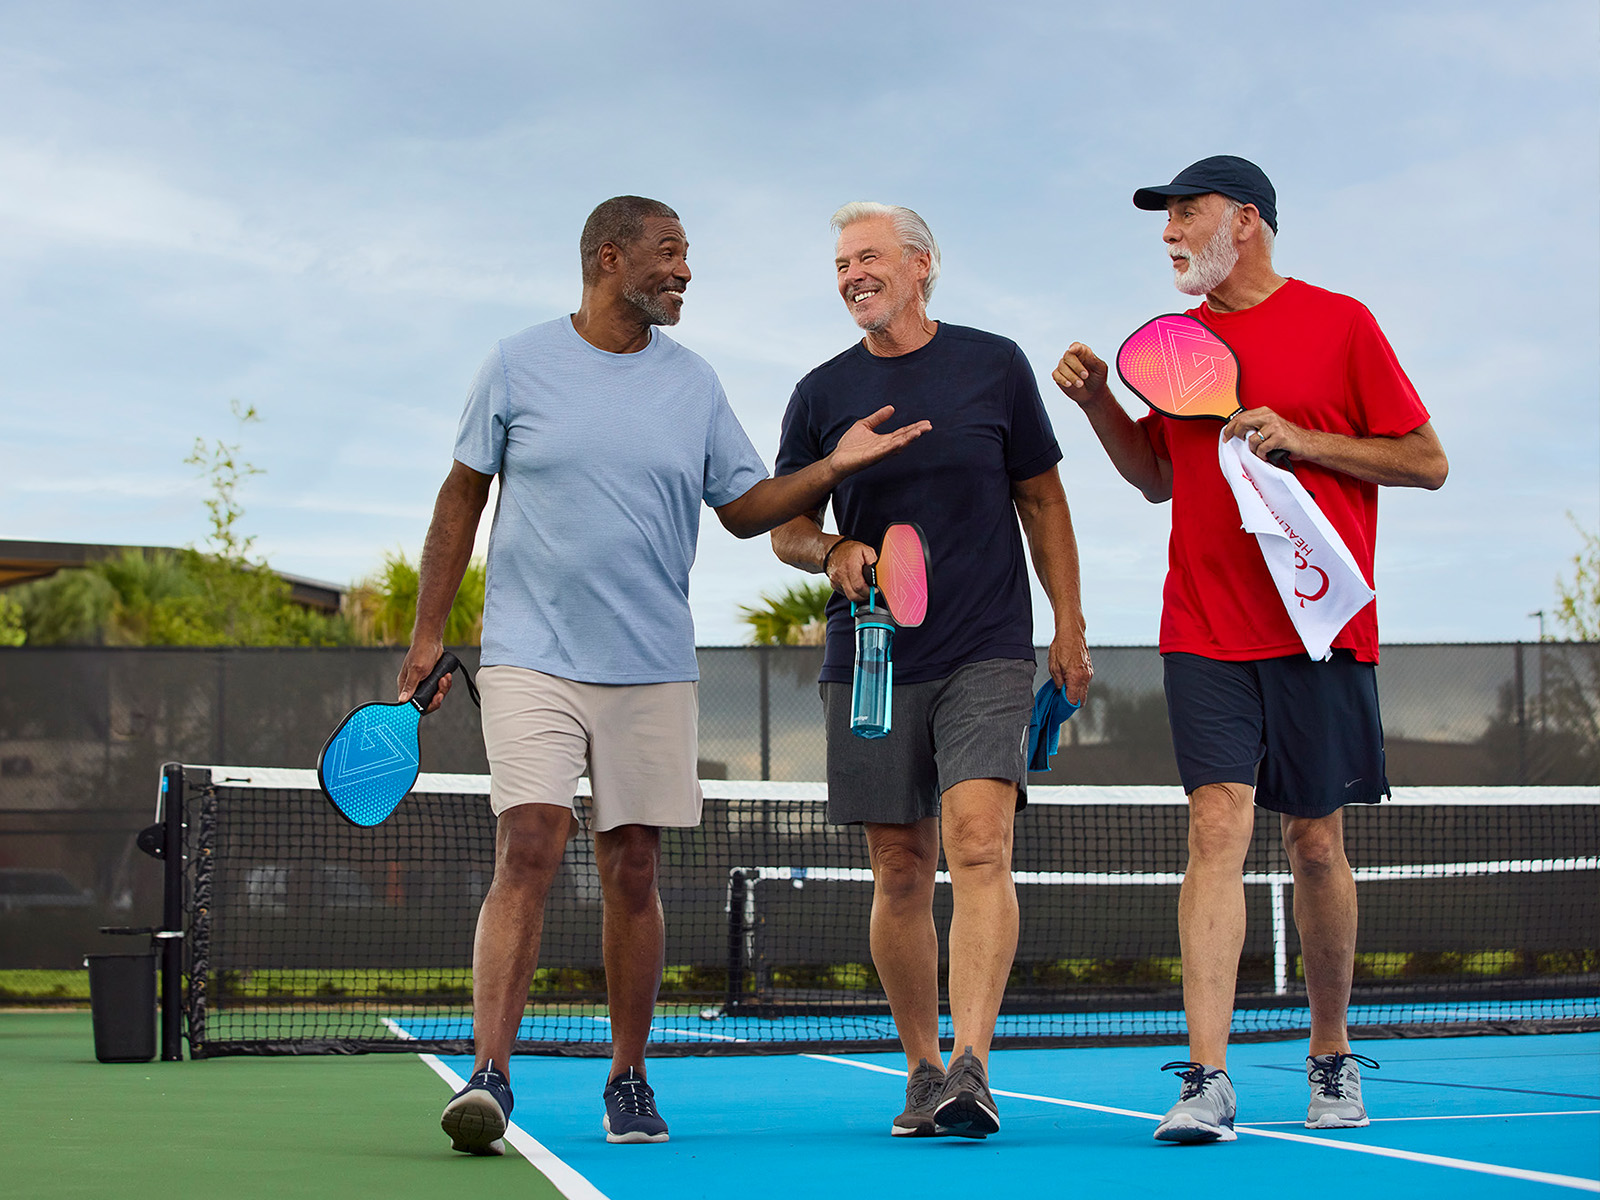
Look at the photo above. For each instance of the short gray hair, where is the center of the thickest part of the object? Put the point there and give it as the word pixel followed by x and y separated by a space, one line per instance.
pixel 1268 238
pixel 620 221
pixel 909 227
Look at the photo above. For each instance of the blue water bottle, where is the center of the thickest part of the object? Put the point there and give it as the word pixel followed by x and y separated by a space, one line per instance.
pixel 870 692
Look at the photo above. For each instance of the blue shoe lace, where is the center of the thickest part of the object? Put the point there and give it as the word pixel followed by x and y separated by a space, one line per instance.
pixel 1326 1075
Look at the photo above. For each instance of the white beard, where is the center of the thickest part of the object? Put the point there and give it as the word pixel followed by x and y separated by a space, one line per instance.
pixel 1211 266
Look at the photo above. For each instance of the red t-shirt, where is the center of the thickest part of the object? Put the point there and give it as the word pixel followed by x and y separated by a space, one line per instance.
pixel 1319 360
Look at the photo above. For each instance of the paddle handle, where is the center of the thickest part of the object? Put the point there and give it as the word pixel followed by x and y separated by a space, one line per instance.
pixel 429 687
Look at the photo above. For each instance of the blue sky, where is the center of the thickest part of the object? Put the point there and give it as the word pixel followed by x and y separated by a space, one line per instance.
pixel 332 211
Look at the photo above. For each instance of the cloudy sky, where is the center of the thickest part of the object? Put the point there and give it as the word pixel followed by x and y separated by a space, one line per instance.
pixel 331 211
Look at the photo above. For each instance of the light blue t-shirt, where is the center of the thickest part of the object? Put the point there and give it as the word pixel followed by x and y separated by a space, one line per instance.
pixel 603 460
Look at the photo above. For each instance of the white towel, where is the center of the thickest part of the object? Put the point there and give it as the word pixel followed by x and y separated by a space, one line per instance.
pixel 1315 573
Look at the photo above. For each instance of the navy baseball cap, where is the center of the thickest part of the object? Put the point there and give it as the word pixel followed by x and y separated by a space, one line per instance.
pixel 1227 175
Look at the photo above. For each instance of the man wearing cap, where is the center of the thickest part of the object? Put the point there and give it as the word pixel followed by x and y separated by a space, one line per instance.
pixel 1255 721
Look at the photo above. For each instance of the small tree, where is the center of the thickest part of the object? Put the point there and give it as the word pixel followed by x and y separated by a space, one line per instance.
pixel 794 617
pixel 1577 611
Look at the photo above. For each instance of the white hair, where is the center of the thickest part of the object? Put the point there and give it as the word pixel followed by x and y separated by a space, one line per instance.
pixel 910 228
pixel 1232 208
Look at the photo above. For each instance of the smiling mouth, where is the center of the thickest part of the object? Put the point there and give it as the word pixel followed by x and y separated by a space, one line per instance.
pixel 862 296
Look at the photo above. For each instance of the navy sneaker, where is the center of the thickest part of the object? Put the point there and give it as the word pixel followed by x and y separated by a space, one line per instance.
pixel 631 1114
pixel 477 1115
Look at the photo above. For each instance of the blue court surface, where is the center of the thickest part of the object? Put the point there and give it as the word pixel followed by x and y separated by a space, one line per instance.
pixel 1461 1117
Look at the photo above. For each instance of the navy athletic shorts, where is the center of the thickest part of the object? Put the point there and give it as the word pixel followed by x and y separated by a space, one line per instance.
pixel 1306 735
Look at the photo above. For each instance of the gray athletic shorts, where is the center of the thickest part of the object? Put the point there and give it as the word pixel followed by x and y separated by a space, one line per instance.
pixel 972 724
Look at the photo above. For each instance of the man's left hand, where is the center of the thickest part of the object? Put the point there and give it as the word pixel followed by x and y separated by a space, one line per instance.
pixel 1266 432
pixel 1070 666
pixel 861 446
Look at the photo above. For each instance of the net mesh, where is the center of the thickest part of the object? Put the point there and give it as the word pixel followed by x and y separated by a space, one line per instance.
pixel 1478 909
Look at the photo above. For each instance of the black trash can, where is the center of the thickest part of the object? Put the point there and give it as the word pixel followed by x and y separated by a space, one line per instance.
pixel 122 999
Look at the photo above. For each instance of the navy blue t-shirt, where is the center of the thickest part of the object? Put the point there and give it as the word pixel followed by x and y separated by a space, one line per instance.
pixel 989 429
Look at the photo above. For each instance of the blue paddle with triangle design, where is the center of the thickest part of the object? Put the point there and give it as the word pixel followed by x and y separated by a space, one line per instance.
pixel 371 760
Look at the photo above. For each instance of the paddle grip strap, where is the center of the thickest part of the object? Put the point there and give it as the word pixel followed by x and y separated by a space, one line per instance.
pixel 448 664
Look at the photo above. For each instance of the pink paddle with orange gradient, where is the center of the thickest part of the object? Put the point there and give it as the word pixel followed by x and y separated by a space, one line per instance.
pixel 902 573
pixel 1180 367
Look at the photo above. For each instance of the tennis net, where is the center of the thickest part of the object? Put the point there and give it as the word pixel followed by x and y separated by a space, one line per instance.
pixel 1479 910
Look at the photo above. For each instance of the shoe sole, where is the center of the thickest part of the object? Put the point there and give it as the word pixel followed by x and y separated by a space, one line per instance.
pixel 923 1128
pixel 476 1124
pixel 1331 1121
pixel 1188 1131
pixel 634 1137
pixel 965 1115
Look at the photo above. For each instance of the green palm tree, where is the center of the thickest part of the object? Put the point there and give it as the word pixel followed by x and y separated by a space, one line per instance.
pixel 794 617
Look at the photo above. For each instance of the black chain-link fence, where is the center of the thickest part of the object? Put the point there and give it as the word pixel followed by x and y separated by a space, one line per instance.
pixel 83 732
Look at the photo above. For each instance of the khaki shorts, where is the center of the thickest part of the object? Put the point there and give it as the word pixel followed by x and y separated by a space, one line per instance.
pixel 638 743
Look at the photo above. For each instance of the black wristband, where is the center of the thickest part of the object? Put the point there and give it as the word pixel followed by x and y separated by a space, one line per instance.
pixel 829 554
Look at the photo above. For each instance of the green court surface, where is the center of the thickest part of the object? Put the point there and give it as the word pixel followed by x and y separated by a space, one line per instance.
pixel 349 1127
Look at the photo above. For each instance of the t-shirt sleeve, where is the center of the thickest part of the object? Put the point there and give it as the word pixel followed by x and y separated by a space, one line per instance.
pixel 1031 445
pixel 1155 428
pixel 797 440
pixel 481 435
pixel 732 465
pixel 1383 401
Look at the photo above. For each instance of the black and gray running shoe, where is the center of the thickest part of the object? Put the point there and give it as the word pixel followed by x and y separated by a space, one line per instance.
pixel 922 1093
pixel 965 1107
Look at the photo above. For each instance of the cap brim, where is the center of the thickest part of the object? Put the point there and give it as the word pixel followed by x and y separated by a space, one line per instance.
pixel 1155 198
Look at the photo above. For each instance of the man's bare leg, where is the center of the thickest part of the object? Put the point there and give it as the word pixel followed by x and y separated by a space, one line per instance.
pixel 634 937
pixel 978 816
pixel 905 945
pixel 1211 914
pixel 529 842
pixel 1325 916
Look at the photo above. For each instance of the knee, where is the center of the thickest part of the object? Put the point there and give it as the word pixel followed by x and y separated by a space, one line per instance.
pixel 1220 827
pixel 902 875
pixel 629 875
pixel 1315 848
pixel 975 842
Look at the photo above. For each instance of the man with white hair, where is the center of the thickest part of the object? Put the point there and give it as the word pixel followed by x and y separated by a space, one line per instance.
pixel 963 680
pixel 1255 721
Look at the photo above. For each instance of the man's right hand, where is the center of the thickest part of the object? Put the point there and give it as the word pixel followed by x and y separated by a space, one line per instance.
pixel 847 568
pixel 420 659
pixel 1081 373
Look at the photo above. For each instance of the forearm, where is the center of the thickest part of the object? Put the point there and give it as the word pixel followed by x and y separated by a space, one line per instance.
pixel 1127 446
pixel 448 549
pixel 1053 547
pixel 802 543
pixel 772 502
pixel 1413 460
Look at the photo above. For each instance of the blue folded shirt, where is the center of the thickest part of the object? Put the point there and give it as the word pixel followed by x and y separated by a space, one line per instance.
pixel 1050 708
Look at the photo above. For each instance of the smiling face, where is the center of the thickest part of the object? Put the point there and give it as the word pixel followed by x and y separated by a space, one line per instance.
pixel 1200 241
pixel 655 271
pixel 878 280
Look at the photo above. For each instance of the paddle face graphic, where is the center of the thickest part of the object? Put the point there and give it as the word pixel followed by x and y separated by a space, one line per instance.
pixel 902 573
pixel 371 760
pixel 1179 367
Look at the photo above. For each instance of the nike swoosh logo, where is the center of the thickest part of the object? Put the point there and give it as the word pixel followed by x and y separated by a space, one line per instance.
pixel 1352 783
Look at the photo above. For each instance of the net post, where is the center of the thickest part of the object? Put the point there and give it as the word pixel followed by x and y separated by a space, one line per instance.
pixel 1280 940
pixel 172 913
pixel 737 885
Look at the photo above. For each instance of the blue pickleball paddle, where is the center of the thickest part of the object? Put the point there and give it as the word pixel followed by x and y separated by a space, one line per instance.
pixel 371 760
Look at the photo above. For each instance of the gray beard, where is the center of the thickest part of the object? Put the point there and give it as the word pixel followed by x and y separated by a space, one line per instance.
pixel 654 308
pixel 1211 266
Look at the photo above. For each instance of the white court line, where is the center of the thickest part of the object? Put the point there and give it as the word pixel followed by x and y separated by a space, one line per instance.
pixel 1437 1160
pixel 565 1180
pixel 1574 1112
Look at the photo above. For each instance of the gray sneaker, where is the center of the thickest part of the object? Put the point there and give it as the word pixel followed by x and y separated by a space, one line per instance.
pixel 965 1107
pixel 1336 1091
pixel 1205 1108
pixel 922 1093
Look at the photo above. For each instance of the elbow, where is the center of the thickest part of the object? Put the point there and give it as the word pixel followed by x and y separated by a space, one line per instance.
pixel 1434 473
pixel 1157 493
